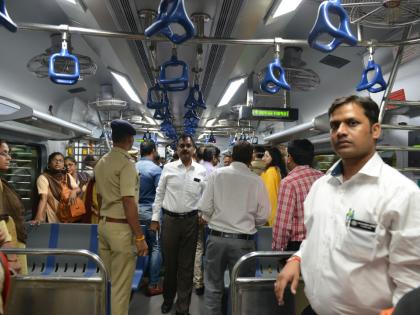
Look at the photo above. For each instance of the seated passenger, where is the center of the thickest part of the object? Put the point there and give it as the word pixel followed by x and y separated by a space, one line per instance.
pixel 12 213
pixel 58 192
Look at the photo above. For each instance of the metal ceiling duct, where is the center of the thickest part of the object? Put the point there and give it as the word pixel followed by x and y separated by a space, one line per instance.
pixel 39 64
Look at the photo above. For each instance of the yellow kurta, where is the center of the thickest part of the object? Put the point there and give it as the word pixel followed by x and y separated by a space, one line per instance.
pixel 271 178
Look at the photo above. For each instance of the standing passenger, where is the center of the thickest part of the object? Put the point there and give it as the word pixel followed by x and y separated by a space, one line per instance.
pixel 12 213
pixel 227 158
pixel 178 194
pixel 361 252
pixel 289 228
pixel 149 174
pixel 57 190
pixel 234 203
pixel 81 178
pixel 210 160
pixel 120 235
pixel 274 171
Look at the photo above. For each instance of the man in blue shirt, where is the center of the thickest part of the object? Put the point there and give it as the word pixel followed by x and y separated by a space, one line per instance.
pixel 149 174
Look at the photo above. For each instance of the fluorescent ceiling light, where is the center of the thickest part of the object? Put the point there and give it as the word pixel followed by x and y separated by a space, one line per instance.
pixel 160 134
pixel 210 122
pixel 126 85
pixel 72 1
pixel 286 6
pixel 232 88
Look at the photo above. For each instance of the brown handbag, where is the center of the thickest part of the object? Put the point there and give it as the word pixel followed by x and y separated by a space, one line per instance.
pixel 67 212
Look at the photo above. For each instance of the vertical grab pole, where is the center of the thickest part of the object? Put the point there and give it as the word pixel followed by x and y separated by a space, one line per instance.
pixel 393 74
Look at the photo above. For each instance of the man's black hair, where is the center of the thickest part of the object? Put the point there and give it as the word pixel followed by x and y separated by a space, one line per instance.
pixel 302 151
pixel 242 152
pixel 185 136
pixel 147 147
pixel 369 106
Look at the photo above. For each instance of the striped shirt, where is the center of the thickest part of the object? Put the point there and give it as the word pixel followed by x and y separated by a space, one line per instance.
pixel 289 225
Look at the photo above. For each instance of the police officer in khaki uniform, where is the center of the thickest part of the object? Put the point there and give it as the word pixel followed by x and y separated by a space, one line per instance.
pixel 120 235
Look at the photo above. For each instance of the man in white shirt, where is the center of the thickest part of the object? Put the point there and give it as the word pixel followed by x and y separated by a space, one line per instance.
pixel 234 203
pixel 361 251
pixel 178 193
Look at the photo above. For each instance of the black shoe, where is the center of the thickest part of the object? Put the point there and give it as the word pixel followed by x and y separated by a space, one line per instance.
pixel 199 291
pixel 166 307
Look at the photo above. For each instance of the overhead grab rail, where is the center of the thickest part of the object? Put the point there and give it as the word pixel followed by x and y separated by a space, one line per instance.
pixel 271 84
pixel 59 77
pixel 197 40
pixel 172 12
pixel 177 83
pixel 323 25
pixel 377 83
pixel 5 19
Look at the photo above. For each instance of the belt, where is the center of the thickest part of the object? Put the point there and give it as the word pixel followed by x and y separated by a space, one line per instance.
pixel 232 235
pixel 180 214
pixel 113 220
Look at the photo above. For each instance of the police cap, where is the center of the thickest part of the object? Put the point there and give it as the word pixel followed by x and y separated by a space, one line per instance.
pixel 122 127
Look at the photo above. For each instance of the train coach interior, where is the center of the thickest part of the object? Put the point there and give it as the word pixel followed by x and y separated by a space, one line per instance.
pixel 265 71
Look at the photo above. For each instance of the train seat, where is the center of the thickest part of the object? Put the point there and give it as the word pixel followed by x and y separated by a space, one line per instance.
pixel 69 236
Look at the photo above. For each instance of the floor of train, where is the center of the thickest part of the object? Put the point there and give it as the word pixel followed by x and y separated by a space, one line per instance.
pixel 145 305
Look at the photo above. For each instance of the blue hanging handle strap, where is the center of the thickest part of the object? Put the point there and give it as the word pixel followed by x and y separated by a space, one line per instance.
pixel 172 12
pixel 195 98
pixel 174 84
pixel 270 83
pixel 377 79
pixel 5 19
pixel 64 78
pixel 163 100
pixel 323 25
pixel 191 114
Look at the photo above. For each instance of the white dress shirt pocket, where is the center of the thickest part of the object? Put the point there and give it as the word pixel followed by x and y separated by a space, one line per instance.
pixel 359 245
pixel 193 188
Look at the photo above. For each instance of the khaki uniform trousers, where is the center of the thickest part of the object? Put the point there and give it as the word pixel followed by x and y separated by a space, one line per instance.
pixel 117 250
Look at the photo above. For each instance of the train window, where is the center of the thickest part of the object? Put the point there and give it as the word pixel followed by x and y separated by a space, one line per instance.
pixel 24 169
pixel 80 148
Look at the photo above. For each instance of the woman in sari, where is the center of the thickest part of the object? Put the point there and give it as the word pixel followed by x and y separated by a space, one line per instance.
pixel 81 178
pixel 12 213
pixel 57 192
pixel 275 169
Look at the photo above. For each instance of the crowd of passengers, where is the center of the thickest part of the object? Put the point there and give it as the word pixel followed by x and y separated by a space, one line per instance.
pixel 354 231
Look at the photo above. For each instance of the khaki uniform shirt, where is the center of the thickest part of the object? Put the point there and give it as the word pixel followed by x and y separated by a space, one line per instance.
pixel 116 177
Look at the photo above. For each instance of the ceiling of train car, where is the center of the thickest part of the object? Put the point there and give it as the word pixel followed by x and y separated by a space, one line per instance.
pixel 228 18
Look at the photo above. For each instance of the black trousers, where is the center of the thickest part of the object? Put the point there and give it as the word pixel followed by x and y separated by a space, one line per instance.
pixel 179 241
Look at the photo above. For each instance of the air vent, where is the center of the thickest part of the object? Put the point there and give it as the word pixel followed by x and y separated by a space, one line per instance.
pixel 227 19
pixel 125 18
pixel 76 90
pixel 334 61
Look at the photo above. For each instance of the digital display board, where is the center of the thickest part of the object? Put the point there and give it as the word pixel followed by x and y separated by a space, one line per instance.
pixel 262 113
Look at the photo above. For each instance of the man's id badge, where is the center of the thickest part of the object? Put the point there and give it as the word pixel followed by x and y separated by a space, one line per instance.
pixel 361 225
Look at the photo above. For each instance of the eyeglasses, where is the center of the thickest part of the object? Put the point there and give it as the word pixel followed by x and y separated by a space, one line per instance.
pixel 5 154
pixel 182 145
